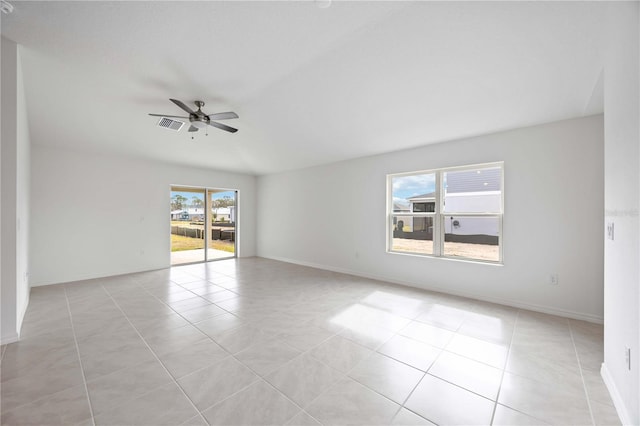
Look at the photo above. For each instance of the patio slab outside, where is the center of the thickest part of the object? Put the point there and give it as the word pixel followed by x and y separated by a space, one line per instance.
pixel 193 256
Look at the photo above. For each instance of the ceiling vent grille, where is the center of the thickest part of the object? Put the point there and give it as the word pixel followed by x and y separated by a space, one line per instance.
pixel 168 123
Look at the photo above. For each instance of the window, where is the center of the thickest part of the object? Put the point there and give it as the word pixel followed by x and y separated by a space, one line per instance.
pixel 424 207
pixel 454 212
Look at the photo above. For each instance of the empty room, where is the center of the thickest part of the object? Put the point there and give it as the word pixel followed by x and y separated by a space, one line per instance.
pixel 320 212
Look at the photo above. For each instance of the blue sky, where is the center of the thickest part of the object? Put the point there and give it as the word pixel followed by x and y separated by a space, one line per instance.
pixel 408 186
pixel 190 195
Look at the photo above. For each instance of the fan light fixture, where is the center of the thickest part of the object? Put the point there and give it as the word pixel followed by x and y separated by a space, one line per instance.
pixel 199 124
pixel 199 120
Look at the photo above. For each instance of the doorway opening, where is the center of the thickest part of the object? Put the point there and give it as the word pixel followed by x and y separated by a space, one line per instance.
pixel 203 224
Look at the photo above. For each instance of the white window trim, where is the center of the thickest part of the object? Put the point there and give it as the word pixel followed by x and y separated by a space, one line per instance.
pixel 439 215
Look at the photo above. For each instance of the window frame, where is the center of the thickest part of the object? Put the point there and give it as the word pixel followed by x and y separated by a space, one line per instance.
pixel 439 216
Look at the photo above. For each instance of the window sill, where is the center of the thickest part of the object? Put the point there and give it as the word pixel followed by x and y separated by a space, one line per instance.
pixel 450 258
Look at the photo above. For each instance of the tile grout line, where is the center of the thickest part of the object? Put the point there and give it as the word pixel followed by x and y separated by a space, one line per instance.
pixel 373 351
pixel 307 352
pixel 403 405
pixel 191 322
pixel 231 354
pixel 584 384
pixel 426 373
pixel 527 378
pixel 302 410
pixel 259 379
pixel 234 393
pixel 116 293
pixel 263 378
pixel 504 367
pixel 346 374
pixel 75 340
pixel 158 359
pixel 195 295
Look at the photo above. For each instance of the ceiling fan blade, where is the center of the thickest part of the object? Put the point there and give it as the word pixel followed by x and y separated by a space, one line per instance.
pixel 193 129
pixel 168 116
pixel 182 105
pixel 223 115
pixel 223 127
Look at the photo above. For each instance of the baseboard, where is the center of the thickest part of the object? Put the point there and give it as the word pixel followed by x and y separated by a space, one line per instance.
pixel 618 402
pixel 101 275
pixel 513 303
pixel 98 276
pixel 5 340
pixel 23 311
pixel 14 337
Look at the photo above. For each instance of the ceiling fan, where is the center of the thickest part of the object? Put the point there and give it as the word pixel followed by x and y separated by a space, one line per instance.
pixel 200 120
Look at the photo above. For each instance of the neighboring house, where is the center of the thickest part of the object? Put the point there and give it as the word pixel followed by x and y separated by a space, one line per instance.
pixel 226 213
pixel 192 213
pixel 469 191
pixel 179 214
pixel 424 203
pixel 407 224
pixel 472 191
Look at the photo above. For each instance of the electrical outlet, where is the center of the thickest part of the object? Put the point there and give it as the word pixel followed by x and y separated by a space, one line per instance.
pixel 553 279
pixel 627 358
pixel 610 231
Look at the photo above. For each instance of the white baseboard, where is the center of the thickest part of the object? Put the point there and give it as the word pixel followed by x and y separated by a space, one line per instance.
pixel 5 340
pixel 513 303
pixel 618 402
pixel 23 311
pixel 97 276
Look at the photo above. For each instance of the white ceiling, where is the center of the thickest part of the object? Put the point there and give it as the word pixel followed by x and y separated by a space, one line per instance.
pixel 310 85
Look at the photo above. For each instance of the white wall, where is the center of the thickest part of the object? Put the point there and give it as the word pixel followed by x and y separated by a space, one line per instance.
pixel 98 215
pixel 552 223
pixel 23 195
pixel 15 188
pixel 622 201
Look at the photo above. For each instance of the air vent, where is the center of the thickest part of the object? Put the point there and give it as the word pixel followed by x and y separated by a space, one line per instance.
pixel 168 123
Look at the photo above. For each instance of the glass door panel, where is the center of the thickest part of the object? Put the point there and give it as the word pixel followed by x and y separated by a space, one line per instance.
pixel 223 207
pixel 188 216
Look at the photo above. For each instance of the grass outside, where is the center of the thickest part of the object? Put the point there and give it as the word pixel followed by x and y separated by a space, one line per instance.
pixel 181 243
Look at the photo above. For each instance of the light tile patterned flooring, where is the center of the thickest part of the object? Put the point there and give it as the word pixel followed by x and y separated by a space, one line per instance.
pixel 254 341
pixel 197 255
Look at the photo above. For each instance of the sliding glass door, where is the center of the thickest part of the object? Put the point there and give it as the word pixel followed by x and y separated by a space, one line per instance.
pixel 203 224
pixel 222 243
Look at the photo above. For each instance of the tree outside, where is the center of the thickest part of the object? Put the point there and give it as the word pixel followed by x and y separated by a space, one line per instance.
pixel 196 202
pixel 225 201
pixel 178 202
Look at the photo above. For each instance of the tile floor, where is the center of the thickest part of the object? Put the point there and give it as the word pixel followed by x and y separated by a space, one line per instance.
pixel 254 341
pixel 192 256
